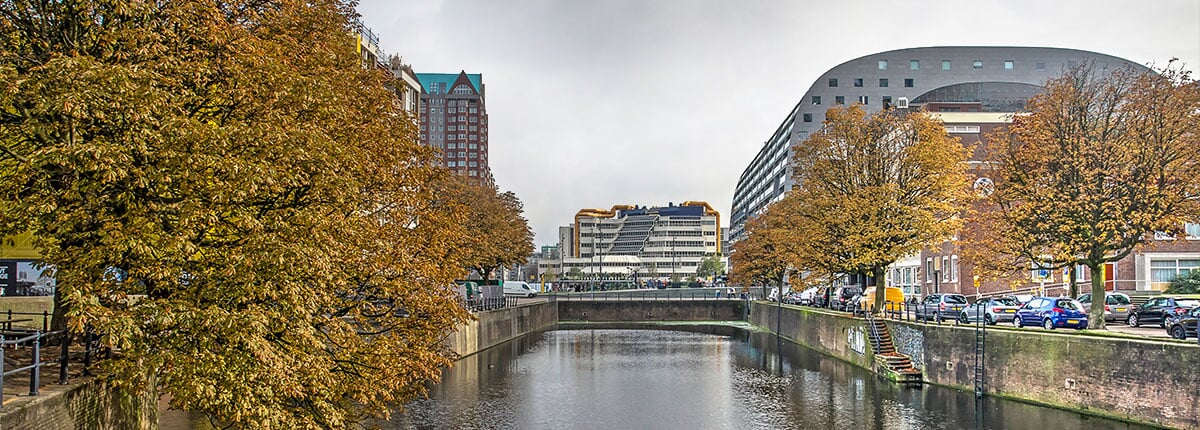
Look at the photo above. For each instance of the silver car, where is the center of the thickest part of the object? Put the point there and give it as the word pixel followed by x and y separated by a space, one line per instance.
pixel 992 310
pixel 1117 305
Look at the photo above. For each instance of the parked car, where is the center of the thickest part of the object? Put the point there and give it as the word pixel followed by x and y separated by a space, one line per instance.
pixel 1116 305
pixel 821 296
pixel 893 298
pixel 1157 308
pixel 1051 313
pixel 1183 326
pixel 854 304
pixel 1022 299
pixel 991 310
pixel 940 307
pixel 806 296
pixel 840 299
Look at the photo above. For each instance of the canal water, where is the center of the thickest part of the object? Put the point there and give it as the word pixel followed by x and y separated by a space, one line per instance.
pixel 652 379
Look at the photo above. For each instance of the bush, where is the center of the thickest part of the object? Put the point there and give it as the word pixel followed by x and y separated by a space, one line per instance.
pixel 1186 284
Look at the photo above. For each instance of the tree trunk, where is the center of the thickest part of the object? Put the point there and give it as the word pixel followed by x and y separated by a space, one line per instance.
pixel 880 290
pixel 1096 315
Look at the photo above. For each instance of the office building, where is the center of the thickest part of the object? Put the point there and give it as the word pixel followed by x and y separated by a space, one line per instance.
pixel 629 242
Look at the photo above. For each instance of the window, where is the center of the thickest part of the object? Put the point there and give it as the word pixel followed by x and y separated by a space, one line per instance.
pixel 887 102
pixel 858 82
pixel 977 64
pixel 908 83
pixel 1168 270
pixel 832 82
pixel 914 64
pixel 882 64
pixel 1008 64
pixel 451 146
pixel 816 100
pixel 945 266
pixel 863 100
pixel 471 146
pixel 954 268
pixel 808 117
pixel 928 270
pixel 945 64
pixel 1192 230
pixel 839 100
pixel 462 154
pixel 1040 65
pixel 883 82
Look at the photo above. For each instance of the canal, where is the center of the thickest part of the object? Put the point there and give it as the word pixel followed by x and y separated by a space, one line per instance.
pixel 652 379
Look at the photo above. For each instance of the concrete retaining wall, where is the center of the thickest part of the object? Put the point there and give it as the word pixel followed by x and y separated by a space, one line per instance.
pixel 833 333
pixel 494 327
pixel 1150 381
pixel 654 310
pixel 84 404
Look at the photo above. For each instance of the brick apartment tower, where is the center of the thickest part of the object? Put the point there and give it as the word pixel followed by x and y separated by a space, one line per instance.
pixel 454 120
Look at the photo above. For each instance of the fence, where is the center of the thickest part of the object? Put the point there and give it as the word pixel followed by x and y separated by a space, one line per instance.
pixel 35 342
pixel 649 295
pixel 487 304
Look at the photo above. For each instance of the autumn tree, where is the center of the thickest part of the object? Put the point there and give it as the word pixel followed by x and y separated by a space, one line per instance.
pixel 283 264
pixel 873 188
pixel 498 234
pixel 762 256
pixel 1098 165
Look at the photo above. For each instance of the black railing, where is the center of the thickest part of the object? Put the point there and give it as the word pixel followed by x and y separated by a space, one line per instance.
pixel 648 295
pixel 870 316
pixel 487 304
pixel 9 323
pixel 36 341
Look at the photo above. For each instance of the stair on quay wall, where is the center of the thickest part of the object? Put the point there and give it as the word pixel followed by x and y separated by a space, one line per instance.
pixel 894 365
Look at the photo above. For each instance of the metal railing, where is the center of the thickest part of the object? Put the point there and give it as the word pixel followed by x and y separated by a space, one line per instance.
pixel 648 295
pixel 36 341
pixel 7 323
pixel 487 304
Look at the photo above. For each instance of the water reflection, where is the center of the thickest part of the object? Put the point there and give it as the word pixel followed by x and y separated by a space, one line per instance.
pixel 632 379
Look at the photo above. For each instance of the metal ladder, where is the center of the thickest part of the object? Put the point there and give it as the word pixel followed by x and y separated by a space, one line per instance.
pixel 980 350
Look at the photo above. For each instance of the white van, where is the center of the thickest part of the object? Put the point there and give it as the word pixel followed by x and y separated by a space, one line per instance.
pixel 518 288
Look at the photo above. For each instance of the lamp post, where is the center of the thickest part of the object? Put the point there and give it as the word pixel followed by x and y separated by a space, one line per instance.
pixel 671 280
pixel 601 232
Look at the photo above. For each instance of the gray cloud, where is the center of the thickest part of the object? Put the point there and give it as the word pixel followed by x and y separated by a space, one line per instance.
pixel 596 103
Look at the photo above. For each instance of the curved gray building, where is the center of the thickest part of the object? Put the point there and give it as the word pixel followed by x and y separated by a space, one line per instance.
pixel 952 79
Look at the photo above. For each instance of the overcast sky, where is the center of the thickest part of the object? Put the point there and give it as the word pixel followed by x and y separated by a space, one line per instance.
pixel 593 103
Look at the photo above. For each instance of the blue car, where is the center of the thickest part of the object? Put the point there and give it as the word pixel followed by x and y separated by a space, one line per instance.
pixel 1051 313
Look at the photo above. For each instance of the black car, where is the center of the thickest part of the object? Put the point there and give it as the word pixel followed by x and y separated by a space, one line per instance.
pixel 1159 308
pixel 841 298
pixel 1183 326
pixel 821 298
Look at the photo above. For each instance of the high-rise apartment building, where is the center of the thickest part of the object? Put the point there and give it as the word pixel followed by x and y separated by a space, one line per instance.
pixel 453 119
pixel 893 79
